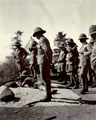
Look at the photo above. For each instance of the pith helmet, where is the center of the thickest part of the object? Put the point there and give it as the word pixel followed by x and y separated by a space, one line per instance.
pixel 69 40
pixel 82 36
pixel 38 30
pixel 92 29
pixel 24 73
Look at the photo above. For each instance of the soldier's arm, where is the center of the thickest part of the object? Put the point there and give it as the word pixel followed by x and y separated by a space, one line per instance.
pixel 24 52
pixel 87 50
pixel 43 45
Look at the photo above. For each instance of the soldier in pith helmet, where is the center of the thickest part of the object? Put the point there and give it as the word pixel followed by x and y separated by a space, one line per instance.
pixel 61 63
pixel 72 64
pixel 44 60
pixel 92 33
pixel 85 52
pixel 19 55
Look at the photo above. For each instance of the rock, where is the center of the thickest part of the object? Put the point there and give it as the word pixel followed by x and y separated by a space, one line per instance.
pixel 12 84
pixel 38 84
pixel 7 95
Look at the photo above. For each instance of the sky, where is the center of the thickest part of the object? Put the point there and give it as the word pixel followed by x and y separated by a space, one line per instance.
pixel 70 16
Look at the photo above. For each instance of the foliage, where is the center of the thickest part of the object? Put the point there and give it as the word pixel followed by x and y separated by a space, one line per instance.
pixel 60 37
pixel 8 70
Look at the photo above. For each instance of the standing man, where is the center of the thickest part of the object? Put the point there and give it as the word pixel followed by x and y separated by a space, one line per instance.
pixel 85 52
pixel 92 33
pixel 44 60
pixel 33 58
pixel 19 55
pixel 62 63
pixel 72 64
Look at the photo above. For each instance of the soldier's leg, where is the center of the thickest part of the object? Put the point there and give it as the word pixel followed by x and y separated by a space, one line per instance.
pixel 64 74
pixel 60 73
pixel 19 69
pixel 41 79
pixel 75 76
pixel 86 84
pixel 90 77
pixel 94 82
pixel 47 80
pixel 48 87
pixel 75 82
pixel 45 76
pixel 32 71
pixel 93 66
pixel 75 79
pixel 84 71
pixel 71 82
pixel 83 83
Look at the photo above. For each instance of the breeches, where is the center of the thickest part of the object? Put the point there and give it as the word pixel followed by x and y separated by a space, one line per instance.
pixel 20 67
pixel 45 76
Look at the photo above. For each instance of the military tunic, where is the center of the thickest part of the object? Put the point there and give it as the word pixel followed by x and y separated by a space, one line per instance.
pixel 93 61
pixel 85 52
pixel 61 64
pixel 72 64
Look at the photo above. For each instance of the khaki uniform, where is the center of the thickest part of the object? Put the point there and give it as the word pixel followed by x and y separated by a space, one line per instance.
pixel 44 60
pixel 72 64
pixel 85 52
pixel 20 55
pixel 91 79
pixel 33 61
pixel 61 65
pixel 93 61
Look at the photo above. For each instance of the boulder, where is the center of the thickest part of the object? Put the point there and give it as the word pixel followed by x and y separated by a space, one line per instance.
pixel 7 95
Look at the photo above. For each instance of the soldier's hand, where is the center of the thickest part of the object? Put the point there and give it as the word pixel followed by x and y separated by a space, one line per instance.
pixel 38 46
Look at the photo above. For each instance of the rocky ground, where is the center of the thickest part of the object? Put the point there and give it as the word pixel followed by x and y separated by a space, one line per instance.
pixel 67 104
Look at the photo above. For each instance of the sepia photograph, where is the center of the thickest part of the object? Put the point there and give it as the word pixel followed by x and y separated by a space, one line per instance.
pixel 48 60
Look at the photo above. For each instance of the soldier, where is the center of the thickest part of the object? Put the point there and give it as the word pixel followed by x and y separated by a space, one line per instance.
pixel 91 71
pixel 62 63
pixel 44 60
pixel 19 55
pixel 92 33
pixel 85 52
pixel 33 58
pixel 72 64
pixel 25 79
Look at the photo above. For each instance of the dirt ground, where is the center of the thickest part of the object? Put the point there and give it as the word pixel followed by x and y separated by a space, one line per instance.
pixel 82 112
pixel 86 110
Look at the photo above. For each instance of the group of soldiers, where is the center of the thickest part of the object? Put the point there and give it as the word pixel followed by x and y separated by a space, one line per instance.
pixel 79 65
pixel 76 65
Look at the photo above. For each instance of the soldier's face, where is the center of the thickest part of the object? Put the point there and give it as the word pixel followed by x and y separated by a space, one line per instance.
pixel 82 40
pixel 93 36
pixel 38 36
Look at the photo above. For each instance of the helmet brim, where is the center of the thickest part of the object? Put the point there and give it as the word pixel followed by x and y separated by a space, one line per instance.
pixel 92 33
pixel 83 38
pixel 39 32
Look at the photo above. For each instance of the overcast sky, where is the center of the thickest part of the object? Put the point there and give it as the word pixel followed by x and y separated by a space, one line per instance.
pixel 71 16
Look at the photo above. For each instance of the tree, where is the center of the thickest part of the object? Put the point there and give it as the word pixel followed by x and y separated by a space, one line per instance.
pixel 60 37
pixel 16 39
